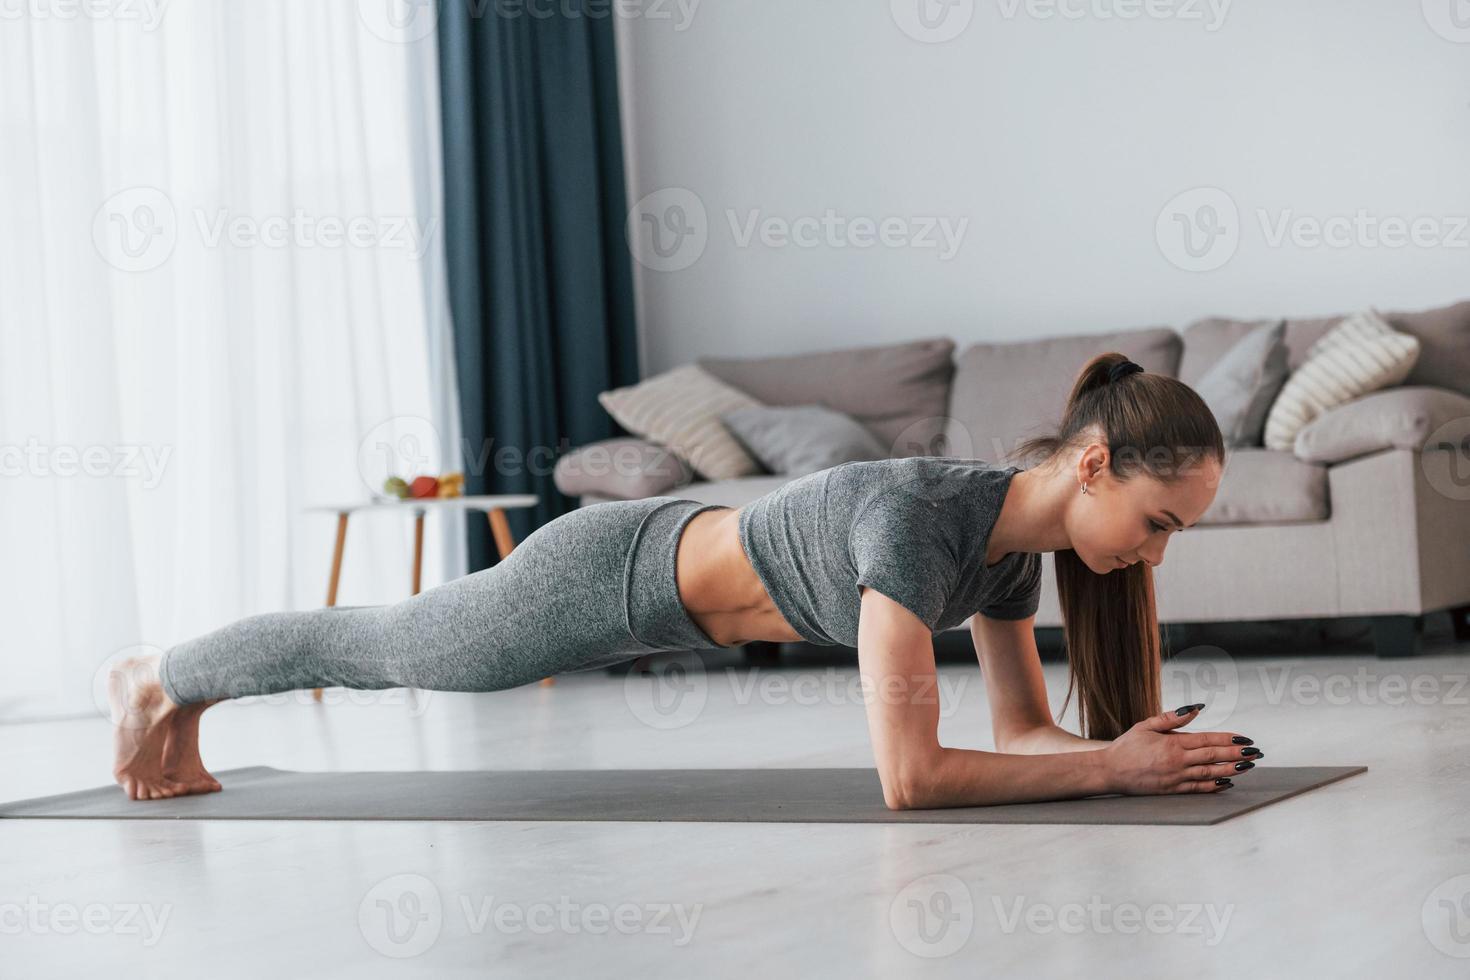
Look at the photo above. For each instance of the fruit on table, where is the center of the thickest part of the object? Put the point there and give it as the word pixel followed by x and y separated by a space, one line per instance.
pixel 451 485
pixel 396 486
pixel 424 486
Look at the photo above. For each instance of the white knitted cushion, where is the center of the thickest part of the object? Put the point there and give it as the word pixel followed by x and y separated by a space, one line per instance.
pixel 681 409
pixel 1361 354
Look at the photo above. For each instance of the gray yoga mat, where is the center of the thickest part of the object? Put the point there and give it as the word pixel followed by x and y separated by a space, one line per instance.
pixel 687 795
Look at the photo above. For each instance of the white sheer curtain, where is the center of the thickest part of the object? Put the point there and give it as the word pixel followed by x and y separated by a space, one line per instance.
pixel 220 273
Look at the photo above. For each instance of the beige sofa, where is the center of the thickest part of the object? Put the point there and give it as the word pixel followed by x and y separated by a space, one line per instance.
pixel 1368 516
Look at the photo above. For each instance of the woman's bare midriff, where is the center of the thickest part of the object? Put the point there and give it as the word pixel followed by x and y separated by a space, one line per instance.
pixel 720 590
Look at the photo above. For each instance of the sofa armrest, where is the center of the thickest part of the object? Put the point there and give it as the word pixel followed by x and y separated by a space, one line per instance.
pixel 621 468
pixel 1394 418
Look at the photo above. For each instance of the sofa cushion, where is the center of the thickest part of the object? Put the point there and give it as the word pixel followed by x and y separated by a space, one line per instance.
pixel 1241 386
pixel 681 409
pixel 623 468
pixel 1360 355
pixel 898 391
pixel 1396 418
pixel 1005 392
pixel 1443 333
pixel 1266 486
pixel 802 438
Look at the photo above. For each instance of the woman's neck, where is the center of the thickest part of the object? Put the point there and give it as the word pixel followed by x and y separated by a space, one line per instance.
pixel 1031 518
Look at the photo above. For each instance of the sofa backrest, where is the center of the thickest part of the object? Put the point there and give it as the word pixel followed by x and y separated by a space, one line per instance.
pixel 898 391
pixel 1005 392
pixel 1444 337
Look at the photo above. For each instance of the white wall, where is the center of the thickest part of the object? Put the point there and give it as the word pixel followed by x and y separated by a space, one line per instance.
pixel 1060 140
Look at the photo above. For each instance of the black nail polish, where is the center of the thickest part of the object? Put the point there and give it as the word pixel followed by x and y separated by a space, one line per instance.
pixel 1181 712
pixel 1224 781
pixel 1249 752
pixel 1241 740
pixel 1243 766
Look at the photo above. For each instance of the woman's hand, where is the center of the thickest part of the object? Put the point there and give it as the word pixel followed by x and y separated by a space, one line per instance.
pixel 1151 759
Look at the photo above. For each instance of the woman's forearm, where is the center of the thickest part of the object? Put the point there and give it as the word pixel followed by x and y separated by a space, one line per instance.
pixel 1051 738
pixel 967 777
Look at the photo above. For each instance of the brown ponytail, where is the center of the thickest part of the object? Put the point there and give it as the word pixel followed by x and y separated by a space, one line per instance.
pixel 1154 424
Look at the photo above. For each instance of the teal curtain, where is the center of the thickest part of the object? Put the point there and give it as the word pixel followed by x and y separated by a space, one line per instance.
pixel 540 287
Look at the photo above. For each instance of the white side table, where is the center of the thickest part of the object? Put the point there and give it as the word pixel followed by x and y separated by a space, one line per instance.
pixel 493 505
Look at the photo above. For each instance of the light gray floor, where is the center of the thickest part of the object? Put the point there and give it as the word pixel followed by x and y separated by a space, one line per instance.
pixel 1367 877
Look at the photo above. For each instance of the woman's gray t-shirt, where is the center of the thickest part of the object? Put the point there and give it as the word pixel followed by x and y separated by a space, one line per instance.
pixel 914 529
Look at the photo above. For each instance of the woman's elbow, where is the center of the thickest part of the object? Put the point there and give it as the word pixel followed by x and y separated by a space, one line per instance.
pixel 910 785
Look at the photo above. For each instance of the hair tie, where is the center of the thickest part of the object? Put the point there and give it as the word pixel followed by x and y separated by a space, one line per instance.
pixel 1121 370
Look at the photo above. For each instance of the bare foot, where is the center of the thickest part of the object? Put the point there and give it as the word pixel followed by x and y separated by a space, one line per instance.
pixel 157 741
pixel 181 761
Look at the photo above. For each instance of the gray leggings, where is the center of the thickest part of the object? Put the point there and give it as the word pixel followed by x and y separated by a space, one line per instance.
pixel 591 588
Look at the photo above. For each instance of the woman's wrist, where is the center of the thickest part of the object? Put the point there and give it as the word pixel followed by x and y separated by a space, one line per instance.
pixel 1050 739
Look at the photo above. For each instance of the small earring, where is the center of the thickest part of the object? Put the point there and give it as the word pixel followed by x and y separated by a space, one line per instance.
pixel 1084 488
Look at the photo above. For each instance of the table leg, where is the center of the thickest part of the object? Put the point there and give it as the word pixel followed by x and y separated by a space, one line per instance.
pixel 505 543
pixel 500 527
pixel 336 575
pixel 418 551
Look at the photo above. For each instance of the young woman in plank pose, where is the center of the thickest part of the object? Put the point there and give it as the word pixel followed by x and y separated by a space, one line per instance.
pixel 878 555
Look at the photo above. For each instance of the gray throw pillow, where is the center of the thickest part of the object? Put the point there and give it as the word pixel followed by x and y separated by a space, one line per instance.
pixel 802 438
pixel 1241 386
